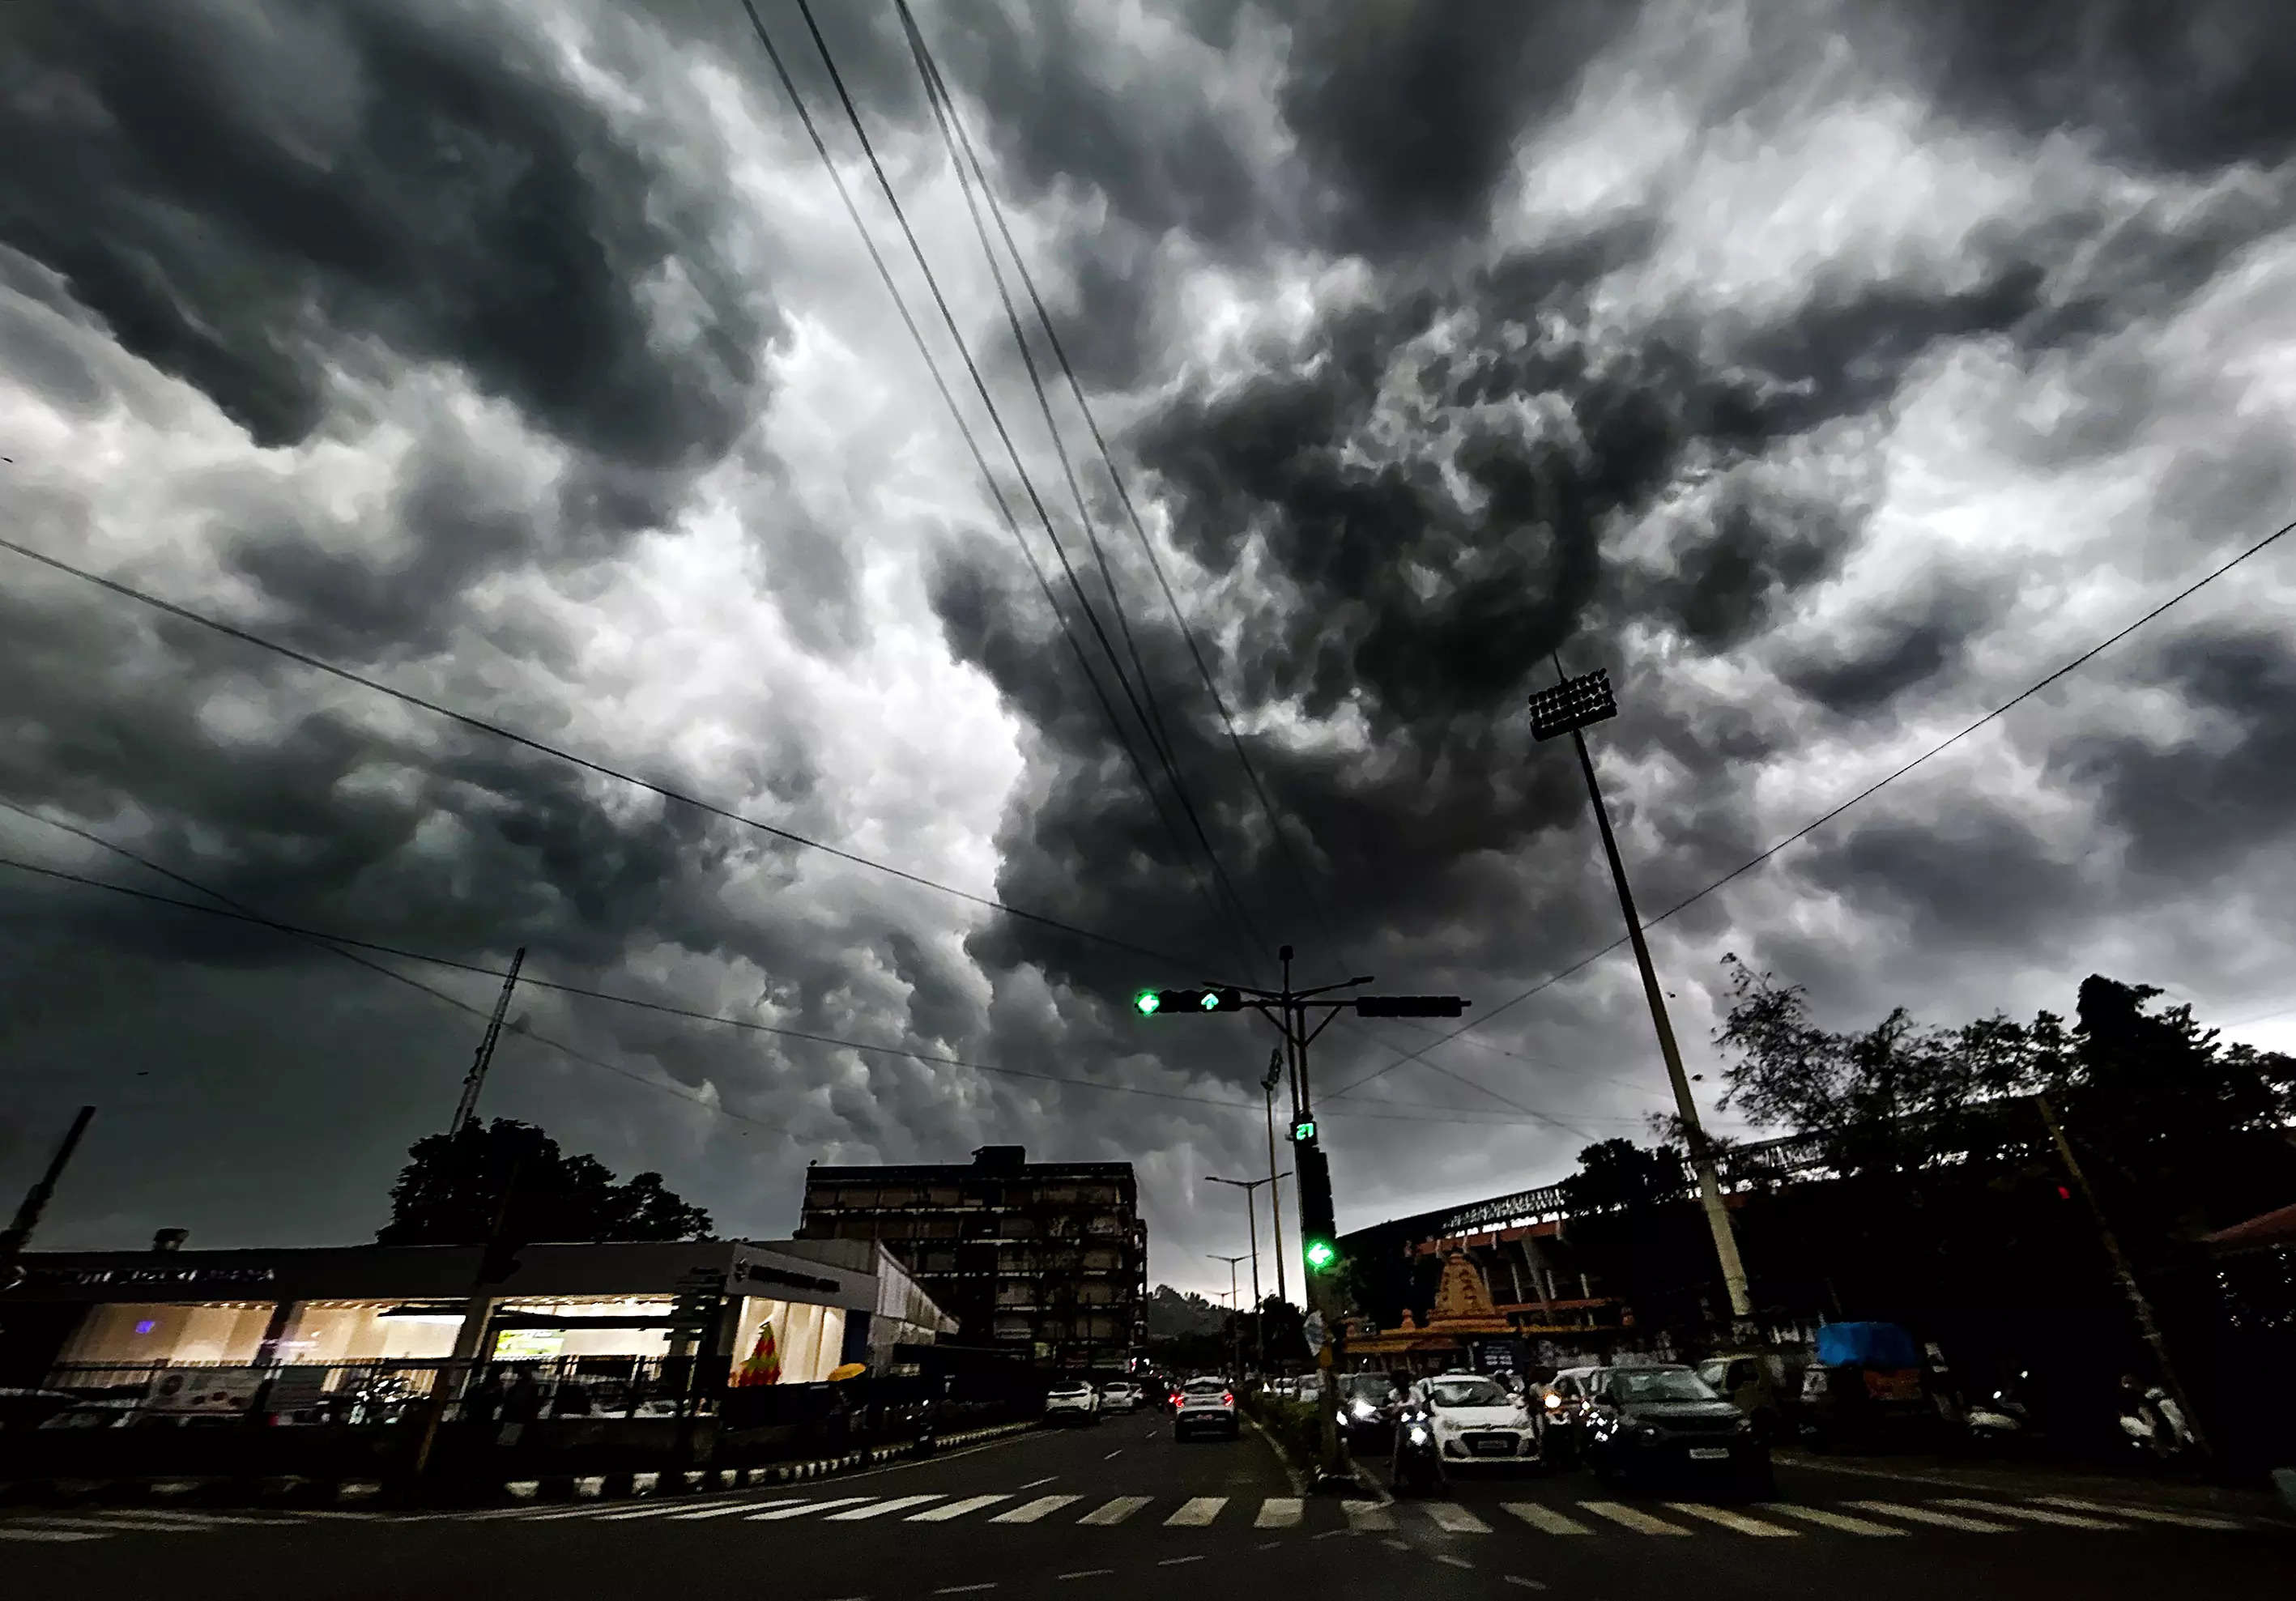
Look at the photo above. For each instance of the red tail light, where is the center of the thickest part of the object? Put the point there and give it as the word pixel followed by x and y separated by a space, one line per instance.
pixel 1227 1398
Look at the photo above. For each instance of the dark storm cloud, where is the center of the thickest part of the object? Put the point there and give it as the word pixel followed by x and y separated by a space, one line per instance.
pixel 2190 87
pixel 2217 789
pixel 242 190
pixel 1410 109
pixel 1914 637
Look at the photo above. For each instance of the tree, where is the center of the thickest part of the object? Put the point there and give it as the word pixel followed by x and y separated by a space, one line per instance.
pixel 451 1192
pixel 1617 1175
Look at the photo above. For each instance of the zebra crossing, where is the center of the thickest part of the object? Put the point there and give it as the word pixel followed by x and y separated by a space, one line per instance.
pixel 76 1527
pixel 1864 1519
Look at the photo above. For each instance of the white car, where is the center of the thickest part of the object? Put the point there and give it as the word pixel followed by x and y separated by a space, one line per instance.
pixel 1120 1396
pixel 1071 1401
pixel 1207 1407
pixel 1476 1419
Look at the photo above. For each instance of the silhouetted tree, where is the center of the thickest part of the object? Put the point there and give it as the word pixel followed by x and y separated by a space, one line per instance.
pixel 451 1191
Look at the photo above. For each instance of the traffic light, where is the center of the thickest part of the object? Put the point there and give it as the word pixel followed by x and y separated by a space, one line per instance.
pixel 1154 1003
pixel 1319 1235
pixel 1409 1006
pixel 1303 1130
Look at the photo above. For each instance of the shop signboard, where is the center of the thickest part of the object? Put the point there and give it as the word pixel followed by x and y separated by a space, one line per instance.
pixel 206 1389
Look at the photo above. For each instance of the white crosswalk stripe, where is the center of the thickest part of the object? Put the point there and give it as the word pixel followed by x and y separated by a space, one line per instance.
pixel 806 1509
pixel 1836 1519
pixel 2149 1514
pixel 1631 1517
pixel 1727 1519
pixel 1545 1519
pixel 1114 1512
pixel 2036 1514
pixel 1194 1513
pixel 1279 1512
pixel 683 1509
pixel 1912 1513
pixel 17 1531
pixel 1035 1511
pixel 955 1509
pixel 1368 1517
pixel 881 1508
pixel 117 1522
pixel 731 1509
pixel 1455 1519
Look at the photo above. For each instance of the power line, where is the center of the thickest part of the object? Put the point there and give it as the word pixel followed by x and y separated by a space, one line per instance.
pixel 1812 826
pixel 916 335
pixel 558 753
pixel 346 946
pixel 1145 707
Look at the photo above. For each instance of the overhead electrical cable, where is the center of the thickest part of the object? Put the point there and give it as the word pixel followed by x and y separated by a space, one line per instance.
pixel 347 946
pixel 620 774
pixel 981 461
pixel 1812 826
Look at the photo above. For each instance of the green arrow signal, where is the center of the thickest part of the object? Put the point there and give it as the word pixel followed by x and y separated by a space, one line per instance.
pixel 1211 1003
pixel 1146 1002
pixel 1320 1254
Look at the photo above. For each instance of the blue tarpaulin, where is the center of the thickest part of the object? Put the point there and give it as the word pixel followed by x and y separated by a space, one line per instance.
pixel 1883 1346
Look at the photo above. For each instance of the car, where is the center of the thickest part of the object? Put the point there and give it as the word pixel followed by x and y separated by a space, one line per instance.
pixel 1119 1395
pixel 1476 1420
pixel 1765 1387
pixel 1071 1401
pixel 1207 1407
pixel 1664 1422
pixel 1368 1403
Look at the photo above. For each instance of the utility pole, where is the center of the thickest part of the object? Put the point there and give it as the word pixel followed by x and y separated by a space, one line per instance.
pixel 1568 708
pixel 2146 1325
pixel 468 1107
pixel 1276 1195
pixel 1235 1327
pixel 19 1234
pixel 472 1343
pixel 1252 1228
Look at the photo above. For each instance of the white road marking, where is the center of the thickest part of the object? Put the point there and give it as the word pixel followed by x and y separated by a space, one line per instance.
pixel 2063 1520
pixel 1545 1519
pixel 964 1589
pixel 1630 1517
pixel 1835 1520
pixel 898 1503
pixel 1042 1506
pixel 1528 1584
pixel 52 1534
pixel 1279 1512
pixel 193 1519
pixel 2151 1514
pixel 1047 1478
pixel 1915 1513
pixel 1195 1512
pixel 941 1515
pixel 1367 1517
pixel 1397 1545
pixel 806 1509
pixel 1173 1561
pixel 730 1510
pixel 115 1523
pixel 1113 1455
pixel 1114 1511
pixel 1450 1561
pixel 1728 1519
pixel 1089 1573
pixel 1455 1519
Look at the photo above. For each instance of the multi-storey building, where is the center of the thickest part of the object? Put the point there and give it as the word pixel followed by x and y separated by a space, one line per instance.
pixel 1048 1259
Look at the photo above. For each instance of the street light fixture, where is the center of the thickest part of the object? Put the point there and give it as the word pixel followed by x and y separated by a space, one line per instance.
pixel 1252 1227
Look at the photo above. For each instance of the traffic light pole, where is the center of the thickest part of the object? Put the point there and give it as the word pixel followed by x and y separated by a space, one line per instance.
pixel 1287 1009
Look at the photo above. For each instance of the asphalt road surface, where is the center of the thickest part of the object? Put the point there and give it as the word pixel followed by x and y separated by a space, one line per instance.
pixel 1121 1509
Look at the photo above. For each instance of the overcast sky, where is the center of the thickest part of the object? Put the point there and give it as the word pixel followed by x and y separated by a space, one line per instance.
pixel 1828 371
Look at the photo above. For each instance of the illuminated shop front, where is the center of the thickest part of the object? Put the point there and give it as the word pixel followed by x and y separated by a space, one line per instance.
pixel 816 1304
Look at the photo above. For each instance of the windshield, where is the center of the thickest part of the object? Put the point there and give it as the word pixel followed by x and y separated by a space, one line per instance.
pixel 1071 1390
pixel 1658 1384
pixel 1368 1387
pixel 1469 1392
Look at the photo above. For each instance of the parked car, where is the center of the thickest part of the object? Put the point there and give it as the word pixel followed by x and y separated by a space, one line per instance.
pixel 1207 1407
pixel 1664 1422
pixel 1072 1401
pixel 1475 1419
pixel 1119 1395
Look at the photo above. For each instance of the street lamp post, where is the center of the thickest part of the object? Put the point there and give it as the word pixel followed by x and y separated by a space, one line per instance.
pixel 1252 1227
pixel 1235 1335
pixel 1275 1196
pixel 1568 708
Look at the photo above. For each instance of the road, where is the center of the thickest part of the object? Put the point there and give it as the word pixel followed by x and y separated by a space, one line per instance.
pixel 1121 1509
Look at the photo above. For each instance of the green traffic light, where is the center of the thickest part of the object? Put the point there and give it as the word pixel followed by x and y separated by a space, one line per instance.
pixel 1322 1254
pixel 1211 1003
pixel 1146 1002
pixel 1304 1130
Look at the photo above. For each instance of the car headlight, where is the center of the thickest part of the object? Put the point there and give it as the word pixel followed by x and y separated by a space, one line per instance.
pixel 1419 1435
pixel 1552 1403
pixel 1362 1409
